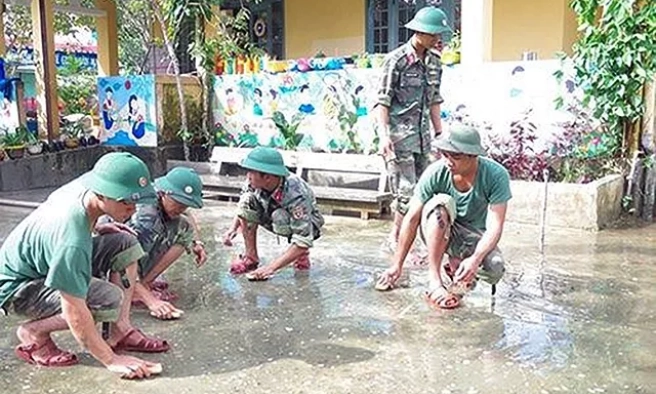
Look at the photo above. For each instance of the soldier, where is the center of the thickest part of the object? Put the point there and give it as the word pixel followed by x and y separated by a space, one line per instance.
pixel 459 207
pixel 283 204
pixel 408 102
pixel 165 231
pixel 47 262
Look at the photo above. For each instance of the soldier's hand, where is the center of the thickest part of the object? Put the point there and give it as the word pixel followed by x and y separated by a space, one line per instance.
pixel 199 251
pixel 229 236
pixel 133 368
pixel 387 149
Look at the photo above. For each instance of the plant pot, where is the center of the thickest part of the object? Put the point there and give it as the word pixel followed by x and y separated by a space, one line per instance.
pixel 92 141
pixel 35 149
pixel 72 143
pixel 15 152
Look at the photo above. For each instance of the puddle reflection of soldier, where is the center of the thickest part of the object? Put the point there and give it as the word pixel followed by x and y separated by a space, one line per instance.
pixel 460 209
pixel 283 204
pixel 408 101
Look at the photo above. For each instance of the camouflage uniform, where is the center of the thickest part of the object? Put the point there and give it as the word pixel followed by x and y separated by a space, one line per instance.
pixel 290 210
pixel 409 87
pixel 157 233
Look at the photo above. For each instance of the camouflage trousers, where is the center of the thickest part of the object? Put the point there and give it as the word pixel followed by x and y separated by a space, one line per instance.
pixel 176 232
pixel 404 172
pixel 462 238
pixel 277 221
pixel 111 252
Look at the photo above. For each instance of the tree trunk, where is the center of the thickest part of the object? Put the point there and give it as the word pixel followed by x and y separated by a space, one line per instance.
pixel 205 81
pixel 184 126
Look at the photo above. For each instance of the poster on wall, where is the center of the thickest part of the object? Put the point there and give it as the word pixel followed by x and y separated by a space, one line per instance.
pixel 127 107
pixel 331 111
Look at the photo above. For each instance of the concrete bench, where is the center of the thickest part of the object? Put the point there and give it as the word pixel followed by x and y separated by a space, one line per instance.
pixel 348 189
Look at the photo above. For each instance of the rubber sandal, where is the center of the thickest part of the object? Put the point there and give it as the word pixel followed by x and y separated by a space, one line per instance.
pixel 243 264
pixel 446 301
pixel 54 358
pixel 302 263
pixel 143 345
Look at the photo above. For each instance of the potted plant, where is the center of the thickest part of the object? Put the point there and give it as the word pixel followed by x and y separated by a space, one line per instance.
pixel 14 144
pixel 34 146
pixel 71 133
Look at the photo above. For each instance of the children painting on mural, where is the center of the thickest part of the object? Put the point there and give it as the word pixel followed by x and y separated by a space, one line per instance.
pixel 283 204
pixel 408 102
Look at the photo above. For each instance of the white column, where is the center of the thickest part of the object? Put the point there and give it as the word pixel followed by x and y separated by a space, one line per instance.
pixel 476 36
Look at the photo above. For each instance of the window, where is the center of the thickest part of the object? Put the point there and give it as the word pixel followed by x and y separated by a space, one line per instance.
pixel 270 15
pixel 386 21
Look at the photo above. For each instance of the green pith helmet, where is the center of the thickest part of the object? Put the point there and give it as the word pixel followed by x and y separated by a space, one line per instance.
pixel 461 139
pixel 183 185
pixel 266 160
pixel 429 20
pixel 121 176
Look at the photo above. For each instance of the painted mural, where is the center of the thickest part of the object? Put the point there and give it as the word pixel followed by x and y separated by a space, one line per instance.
pixel 331 111
pixel 127 107
pixel 9 117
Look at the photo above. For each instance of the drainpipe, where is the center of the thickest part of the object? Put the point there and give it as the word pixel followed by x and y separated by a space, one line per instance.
pixel 47 77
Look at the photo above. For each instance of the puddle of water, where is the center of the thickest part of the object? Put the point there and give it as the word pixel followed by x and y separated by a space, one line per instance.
pixel 581 322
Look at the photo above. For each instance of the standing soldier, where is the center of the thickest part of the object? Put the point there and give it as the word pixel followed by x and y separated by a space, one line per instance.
pixel 408 101
pixel 283 204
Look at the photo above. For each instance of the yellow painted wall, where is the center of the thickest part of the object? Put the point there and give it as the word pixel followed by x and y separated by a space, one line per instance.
pixel 336 27
pixel 542 26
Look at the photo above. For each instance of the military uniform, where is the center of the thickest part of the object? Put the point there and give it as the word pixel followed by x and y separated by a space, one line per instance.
pixel 290 210
pixel 157 233
pixel 409 87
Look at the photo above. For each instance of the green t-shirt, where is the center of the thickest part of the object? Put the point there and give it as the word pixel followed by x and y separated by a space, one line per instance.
pixel 53 242
pixel 491 187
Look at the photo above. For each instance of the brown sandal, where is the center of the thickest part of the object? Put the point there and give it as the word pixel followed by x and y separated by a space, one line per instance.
pixel 243 264
pixel 55 357
pixel 142 345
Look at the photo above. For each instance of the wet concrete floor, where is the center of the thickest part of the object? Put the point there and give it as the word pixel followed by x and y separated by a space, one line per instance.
pixel 581 321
